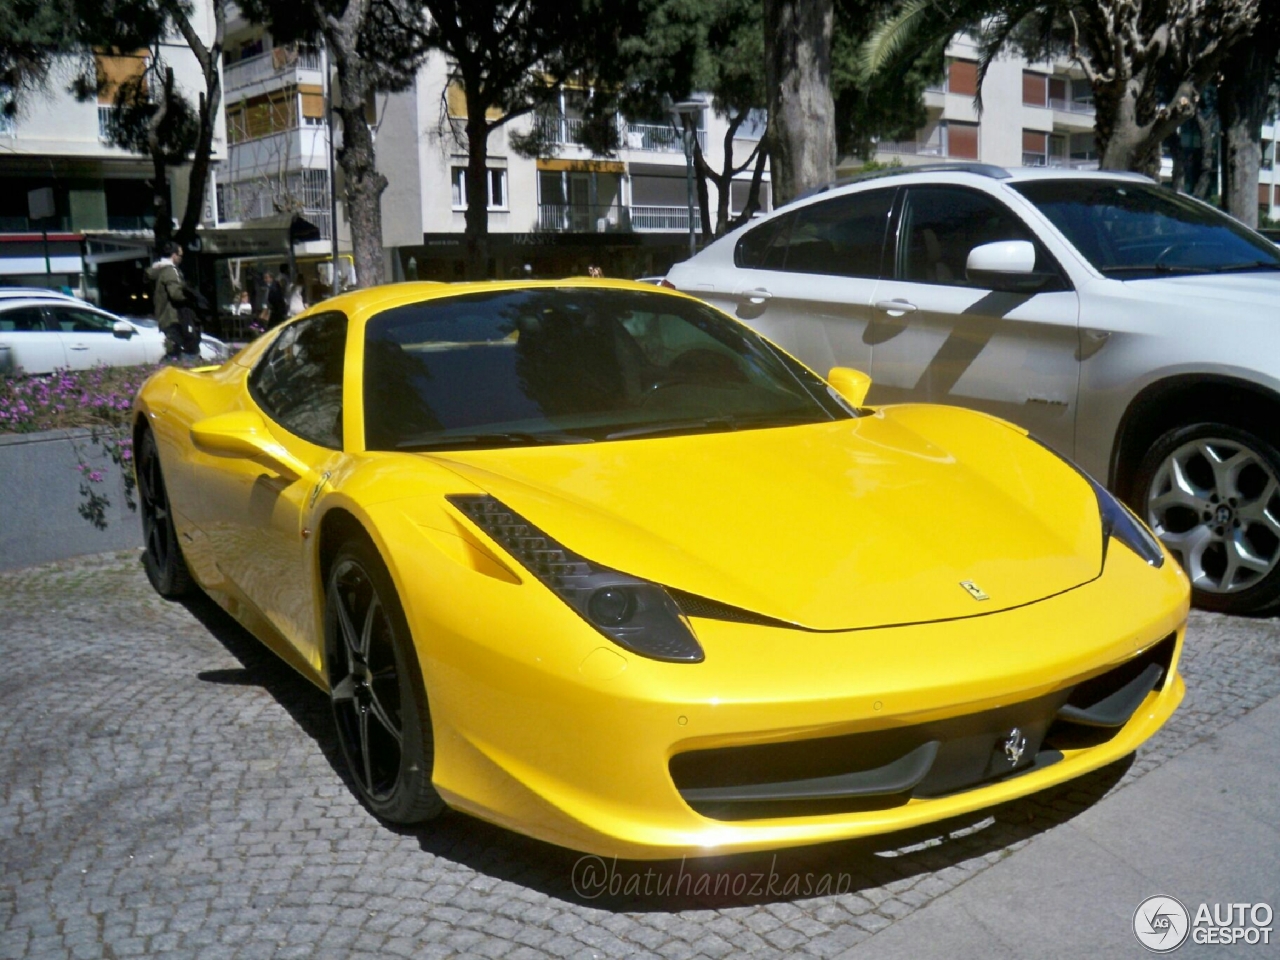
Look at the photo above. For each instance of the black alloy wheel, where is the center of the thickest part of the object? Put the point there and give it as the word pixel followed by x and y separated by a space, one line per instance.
pixel 376 689
pixel 162 556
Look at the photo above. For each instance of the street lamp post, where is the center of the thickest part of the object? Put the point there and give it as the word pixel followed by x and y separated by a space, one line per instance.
pixel 686 114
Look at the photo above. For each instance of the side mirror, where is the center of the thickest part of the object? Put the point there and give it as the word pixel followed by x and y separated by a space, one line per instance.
pixel 1007 265
pixel 122 329
pixel 243 435
pixel 850 384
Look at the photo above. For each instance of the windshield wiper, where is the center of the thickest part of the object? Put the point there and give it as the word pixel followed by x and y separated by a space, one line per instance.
pixel 1151 268
pixel 503 439
pixel 703 424
pixel 1244 267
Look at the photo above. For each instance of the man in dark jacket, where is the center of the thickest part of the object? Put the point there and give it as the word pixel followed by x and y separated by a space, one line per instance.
pixel 170 294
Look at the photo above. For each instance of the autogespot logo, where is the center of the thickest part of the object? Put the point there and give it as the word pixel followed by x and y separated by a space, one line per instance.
pixel 1161 924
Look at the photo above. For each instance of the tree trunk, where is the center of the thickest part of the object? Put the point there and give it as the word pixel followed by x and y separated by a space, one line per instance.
pixel 477 216
pixel 1243 100
pixel 797 37
pixel 209 59
pixel 364 187
pixel 1206 184
pixel 161 201
pixel 753 194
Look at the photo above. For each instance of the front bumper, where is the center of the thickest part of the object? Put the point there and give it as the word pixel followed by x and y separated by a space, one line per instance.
pixel 544 727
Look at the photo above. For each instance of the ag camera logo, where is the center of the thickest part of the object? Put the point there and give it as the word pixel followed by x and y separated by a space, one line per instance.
pixel 1161 924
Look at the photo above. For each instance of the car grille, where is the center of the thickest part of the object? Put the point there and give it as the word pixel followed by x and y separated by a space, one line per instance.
pixel 887 768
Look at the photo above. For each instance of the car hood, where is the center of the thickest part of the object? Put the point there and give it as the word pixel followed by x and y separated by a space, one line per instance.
pixel 832 526
pixel 1255 289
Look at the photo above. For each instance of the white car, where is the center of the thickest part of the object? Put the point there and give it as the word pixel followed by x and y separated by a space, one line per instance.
pixel 43 331
pixel 1126 326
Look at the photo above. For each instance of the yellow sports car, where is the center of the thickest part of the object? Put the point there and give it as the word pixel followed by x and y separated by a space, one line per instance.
pixel 596 562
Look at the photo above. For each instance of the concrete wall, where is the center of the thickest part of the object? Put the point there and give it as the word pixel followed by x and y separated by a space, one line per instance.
pixel 39 521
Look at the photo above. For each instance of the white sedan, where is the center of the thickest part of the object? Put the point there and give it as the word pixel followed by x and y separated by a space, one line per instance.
pixel 41 333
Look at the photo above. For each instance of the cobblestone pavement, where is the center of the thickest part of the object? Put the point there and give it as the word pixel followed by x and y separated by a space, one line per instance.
pixel 168 788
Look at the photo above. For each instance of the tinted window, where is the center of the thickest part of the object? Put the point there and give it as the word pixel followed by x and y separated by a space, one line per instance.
pixel 940 225
pixel 843 236
pixel 572 365
pixel 764 247
pixel 75 320
pixel 21 320
pixel 1134 230
pixel 298 382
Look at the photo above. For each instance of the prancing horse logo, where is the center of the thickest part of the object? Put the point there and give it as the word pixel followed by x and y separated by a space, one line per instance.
pixel 1015 744
pixel 974 590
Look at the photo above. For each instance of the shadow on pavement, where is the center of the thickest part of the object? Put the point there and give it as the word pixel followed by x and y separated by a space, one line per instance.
pixel 848 867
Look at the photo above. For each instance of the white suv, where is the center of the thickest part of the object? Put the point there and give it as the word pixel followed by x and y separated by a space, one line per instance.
pixel 1129 327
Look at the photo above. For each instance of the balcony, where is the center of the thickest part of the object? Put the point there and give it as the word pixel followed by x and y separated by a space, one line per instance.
pixel 931 148
pixel 582 218
pixel 653 137
pixel 300 65
pixel 660 219
pixel 1084 107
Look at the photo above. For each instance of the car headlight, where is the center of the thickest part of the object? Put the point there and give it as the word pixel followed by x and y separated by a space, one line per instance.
pixel 1118 521
pixel 636 614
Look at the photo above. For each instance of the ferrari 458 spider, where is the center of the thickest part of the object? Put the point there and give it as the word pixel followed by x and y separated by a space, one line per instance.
pixel 598 563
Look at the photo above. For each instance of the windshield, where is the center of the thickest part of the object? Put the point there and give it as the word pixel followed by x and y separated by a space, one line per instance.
pixel 573 365
pixel 1135 231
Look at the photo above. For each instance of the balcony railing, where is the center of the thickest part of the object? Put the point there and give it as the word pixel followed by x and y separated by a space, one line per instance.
pixel 659 218
pixel 276 62
pixel 1073 106
pixel 1035 159
pixel 656 137
pixel 582 218
pixel 928 148
pixel 1073 163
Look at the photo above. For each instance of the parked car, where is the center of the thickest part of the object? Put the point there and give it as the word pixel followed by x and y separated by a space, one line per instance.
pixel 1127 326
pixel 593 561
pixel 44 330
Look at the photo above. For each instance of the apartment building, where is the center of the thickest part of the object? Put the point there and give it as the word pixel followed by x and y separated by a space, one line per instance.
pixel 97 239
pixel 549 215
pixel 1034 114
pixel 272 195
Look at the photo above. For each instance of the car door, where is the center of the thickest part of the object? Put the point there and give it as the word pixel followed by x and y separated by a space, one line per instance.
pixel 25 345
pixel 255 519
pixel 940 338
pixel 89 338
pixel 807 280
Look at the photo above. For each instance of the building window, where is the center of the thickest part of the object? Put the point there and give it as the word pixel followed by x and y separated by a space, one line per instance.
pixel 1035 148
pixel 962 140
pixel 962 77
pixel 497 181
pixel 1034 89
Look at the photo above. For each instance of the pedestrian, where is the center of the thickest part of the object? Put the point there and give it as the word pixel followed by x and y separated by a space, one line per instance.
pixel 274 308
pixel 170 294
pixel 293 294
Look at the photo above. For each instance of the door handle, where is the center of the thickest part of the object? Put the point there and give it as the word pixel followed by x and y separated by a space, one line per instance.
pixel 757 296
pixel 896 308
pixel 79 346
pixel 1091 341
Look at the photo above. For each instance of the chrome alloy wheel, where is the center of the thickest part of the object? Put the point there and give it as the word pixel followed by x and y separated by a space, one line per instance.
pixel 366 689
pixel 1216 504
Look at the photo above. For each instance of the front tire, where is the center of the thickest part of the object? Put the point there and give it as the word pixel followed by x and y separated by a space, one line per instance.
pixel 1211 492
pixel 162 555
pixel 376 689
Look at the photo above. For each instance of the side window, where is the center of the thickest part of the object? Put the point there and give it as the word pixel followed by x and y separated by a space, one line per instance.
pixel 764 247
pixel 840 237
pixel 22 320
pixel 75 320
pixel 940 225
pixel 298 381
